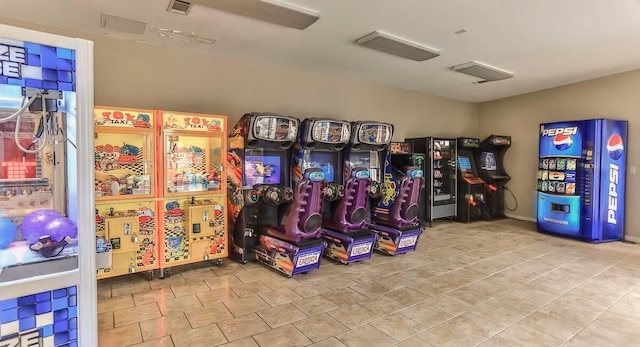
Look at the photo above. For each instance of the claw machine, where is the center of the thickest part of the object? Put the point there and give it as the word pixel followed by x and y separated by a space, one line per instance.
pixel 193 188
pixel 125 213
pixel 47 274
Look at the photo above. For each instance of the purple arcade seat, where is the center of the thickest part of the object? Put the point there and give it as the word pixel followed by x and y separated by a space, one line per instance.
pixel 405 210
pixel 351 211
pixel 303 217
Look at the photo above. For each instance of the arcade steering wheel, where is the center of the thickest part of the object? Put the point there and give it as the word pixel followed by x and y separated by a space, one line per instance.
pixel 375 190
pixel 273 195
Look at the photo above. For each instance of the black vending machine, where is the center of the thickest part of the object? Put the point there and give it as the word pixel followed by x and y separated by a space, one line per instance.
pixel 437 157
pixel 491 163
pixel 471 188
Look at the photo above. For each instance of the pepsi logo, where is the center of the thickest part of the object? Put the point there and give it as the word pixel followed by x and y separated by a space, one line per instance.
pixel 615 146
pixel 562 142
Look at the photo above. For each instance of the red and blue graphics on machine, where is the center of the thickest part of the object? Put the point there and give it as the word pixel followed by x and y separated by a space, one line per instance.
pixel 33 65
pixel 581 179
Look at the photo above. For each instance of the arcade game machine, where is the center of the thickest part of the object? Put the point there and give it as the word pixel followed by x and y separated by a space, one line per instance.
pixel 492 172
pixel 581 179
pixel 394 217
pixel 193 192
pixel 273 219
pixel 124 147
pixel 470 185
pixel 320 145
pixel 440 194
pixel 47 255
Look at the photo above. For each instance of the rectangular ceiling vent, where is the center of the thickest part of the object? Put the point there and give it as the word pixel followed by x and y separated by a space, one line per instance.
pixel 122 24
pixel 273 12
pixel 179 7
pixel 390 44
pixel 484 72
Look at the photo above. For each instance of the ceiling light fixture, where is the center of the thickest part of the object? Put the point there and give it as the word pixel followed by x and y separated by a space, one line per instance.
pixel 390 44
pixel 485 72
pixel 122 24
pixel 181 35
pixel 274 12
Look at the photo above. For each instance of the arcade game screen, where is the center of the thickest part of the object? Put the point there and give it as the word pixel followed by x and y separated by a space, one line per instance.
pixel 367 160
pixel 488 161
pixel 327 162
pixel 464 164
pixel 262 169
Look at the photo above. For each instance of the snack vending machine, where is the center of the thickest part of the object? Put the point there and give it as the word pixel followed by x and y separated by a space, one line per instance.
pixel 47 264
pixel 193 197
pixel 125 176
pixel 581 179
pixel 437 157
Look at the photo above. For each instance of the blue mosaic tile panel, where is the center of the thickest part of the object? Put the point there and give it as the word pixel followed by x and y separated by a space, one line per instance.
pixel 37 66
pixel 51 316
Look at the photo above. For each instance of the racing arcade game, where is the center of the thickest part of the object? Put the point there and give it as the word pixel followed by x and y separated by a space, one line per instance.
pixel 273 218
pixel 322 143
pixel 394 218
pixel 470 185
pixel 492 150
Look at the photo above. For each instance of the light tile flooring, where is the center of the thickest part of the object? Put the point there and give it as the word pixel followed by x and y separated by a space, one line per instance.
pixel 482 284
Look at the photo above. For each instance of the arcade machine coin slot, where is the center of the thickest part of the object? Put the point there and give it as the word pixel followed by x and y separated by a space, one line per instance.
pixel 274 219
pixel 491 162
pixel 125 187
pixel 471 188
pixel 193 193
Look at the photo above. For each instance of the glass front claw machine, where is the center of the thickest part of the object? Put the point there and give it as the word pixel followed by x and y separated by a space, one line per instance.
pixel 47 274
pixel 125 213
pixel 192 204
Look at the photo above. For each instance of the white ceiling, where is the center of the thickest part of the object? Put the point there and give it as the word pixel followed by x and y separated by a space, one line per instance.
pixel 545 43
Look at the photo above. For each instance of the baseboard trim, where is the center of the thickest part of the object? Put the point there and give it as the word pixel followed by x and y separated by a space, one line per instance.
pixel 528 219
pixel 635 239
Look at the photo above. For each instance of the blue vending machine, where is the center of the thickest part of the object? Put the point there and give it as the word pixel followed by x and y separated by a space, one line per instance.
pixel 581 179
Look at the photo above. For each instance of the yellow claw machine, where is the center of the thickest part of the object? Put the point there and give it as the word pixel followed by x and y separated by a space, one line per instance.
pixel 193 188
pixel 125 191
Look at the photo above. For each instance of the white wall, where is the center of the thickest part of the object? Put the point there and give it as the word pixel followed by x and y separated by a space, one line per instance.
pixel 130 74
pixel 616 96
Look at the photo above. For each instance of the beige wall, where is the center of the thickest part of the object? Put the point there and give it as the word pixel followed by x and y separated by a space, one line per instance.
pixel 615 96
pixel 130 74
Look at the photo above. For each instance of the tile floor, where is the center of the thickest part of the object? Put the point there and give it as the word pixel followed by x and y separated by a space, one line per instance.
pixel 483 284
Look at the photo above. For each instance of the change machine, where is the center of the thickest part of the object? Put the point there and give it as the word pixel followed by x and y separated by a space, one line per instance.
pixel 274 218
pixel 125 190
pixel 193 192
pixel 491 164
pixel 321 145
pixel 47 255
pixel 471 188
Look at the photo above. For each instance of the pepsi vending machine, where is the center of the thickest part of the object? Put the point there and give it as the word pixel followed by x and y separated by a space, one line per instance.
pixel 581 179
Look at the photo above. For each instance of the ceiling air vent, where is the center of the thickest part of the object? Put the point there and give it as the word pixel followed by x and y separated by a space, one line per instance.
pixel 482 71
pixel 393 45
pixel 179 7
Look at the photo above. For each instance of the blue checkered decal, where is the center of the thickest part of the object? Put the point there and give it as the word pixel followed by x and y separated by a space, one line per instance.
pixel 51 316
pixel 46 67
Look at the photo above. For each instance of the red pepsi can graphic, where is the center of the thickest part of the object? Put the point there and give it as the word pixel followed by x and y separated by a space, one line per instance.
pixel 562 142
pixel 615 146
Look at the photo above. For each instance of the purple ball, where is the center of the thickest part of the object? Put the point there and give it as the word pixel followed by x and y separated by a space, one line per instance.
pixel 60 228
pixel 7 233
pixel 34 223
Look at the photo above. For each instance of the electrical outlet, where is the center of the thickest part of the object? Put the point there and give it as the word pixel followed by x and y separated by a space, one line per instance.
pixel 632 170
